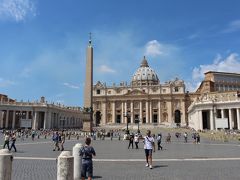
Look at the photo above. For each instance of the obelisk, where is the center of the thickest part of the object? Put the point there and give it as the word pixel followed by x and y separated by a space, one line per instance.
pixel 88 89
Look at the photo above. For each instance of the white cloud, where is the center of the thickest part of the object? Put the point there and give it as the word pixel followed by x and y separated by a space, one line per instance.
pixel 6 83
pixel 229 64
pixel 18 10
pixel 106 69
pixel 71 86
pixel 232 27
pixel 153 48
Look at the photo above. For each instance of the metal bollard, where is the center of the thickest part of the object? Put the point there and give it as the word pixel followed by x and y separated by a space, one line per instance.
pixel 65 166
pixel 5 164
pixel 77 161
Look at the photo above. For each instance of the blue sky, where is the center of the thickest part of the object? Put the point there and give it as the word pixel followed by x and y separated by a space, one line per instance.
pixel 43 43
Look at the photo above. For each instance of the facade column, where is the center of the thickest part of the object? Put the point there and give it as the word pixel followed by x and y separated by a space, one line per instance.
pixel 104 115
pixel 113 113
pixel 140 112
pixel 200 120
pixel 125 112
pixel 211 120
pixel 132 113
pixel 147 112
pixel 150 112
pixel 230 118
pixel 14 119
pixel 159 112
pixel 238 119
pixel 7 116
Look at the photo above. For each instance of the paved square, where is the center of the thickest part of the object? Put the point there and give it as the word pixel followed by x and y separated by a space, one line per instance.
pixel 177 161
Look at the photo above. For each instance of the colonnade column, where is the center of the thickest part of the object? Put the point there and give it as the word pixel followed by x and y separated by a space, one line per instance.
pixel 159 112
pixel 147 113
pixel 45 120
pixel 7 116
pixel 201 120
pixel 222 113
pixel 132 112
pixel 140 112
pixel 211 120
pixel 14 119
pixel 122 114
pixel 34 126
pixel 230 118
pixel 113 113
pixel 1 119
pixel 238 120
pixel 150 109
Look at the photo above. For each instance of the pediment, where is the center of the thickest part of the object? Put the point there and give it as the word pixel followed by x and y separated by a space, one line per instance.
pixel 135 92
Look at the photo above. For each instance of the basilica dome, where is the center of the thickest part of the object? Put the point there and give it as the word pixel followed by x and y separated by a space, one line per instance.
pixel 145 75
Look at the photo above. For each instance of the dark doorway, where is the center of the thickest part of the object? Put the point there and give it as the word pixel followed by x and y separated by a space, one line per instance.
pixel 177 117
pixel 136 118
pixel 155 118
pixel 206 119
pixel 98 118
pixel 118 119
pixel 144 120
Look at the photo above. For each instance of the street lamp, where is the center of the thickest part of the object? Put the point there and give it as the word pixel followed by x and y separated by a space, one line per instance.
pixel 127 116
pixel 138 121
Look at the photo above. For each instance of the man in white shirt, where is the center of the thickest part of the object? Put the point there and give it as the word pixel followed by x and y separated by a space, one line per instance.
pixel 149 147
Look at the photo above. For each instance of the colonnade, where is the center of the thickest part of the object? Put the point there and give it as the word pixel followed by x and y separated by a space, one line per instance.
pixel 232 115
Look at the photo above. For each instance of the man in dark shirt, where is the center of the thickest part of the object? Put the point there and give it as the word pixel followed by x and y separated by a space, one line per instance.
pixel 86 152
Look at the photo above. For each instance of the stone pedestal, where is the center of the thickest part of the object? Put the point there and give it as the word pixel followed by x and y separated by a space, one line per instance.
pixel 5 164
pixel 87 125
pixel 65 166
pixel 77 161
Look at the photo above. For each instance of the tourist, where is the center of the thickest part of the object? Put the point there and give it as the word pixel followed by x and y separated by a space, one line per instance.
pixel 198 138
pixel 185 137
pixel 130 141
pixel 62 140
pixel 136 140
pixel 149 147
pixel 168 139
pixel 13 139
pixel 55 139
pixel 86 152
pixel 159 141
pixel 6 140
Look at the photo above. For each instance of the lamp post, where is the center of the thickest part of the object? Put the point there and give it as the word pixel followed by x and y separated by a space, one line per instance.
pixel 127 116
pixel 138 121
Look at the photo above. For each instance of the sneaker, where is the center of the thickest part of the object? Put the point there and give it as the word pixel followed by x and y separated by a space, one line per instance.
pixel 150 166
pixel 147 165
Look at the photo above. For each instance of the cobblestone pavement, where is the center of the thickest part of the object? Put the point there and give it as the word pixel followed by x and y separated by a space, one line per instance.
pixel 178 161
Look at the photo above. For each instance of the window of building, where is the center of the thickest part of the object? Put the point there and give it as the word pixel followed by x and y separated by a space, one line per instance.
pixel 98 91
pixel 176 89
pixel 109 92
pixel 164 90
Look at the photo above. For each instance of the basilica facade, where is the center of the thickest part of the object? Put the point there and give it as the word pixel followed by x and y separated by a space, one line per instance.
pixel 144 100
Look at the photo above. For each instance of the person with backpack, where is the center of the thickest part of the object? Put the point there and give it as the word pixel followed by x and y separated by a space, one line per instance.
pixel 55 139
pixel 87 152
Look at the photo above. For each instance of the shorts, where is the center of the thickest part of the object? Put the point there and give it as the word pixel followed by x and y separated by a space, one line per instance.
pixel 148 152
pixel 87 168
